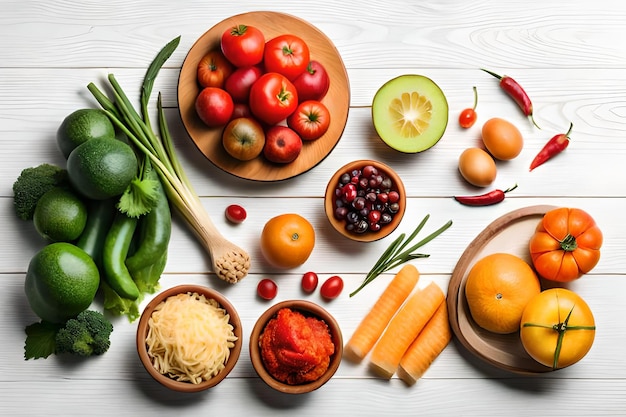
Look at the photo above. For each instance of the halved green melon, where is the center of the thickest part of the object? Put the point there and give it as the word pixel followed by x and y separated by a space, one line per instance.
pixel 410 113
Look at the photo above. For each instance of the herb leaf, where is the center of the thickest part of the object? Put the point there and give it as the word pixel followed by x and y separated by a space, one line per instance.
pixel 396 254
pixel 40 340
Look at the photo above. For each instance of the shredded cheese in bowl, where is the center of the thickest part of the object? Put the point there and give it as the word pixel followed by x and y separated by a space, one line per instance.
pixel 189 337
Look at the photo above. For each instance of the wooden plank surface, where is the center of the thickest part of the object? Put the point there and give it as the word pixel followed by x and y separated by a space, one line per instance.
pixel 569 55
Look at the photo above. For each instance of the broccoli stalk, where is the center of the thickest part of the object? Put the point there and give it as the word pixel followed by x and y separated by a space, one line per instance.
pixel 86 335
pixel 34 182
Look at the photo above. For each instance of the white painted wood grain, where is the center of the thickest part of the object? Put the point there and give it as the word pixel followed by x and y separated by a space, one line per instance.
pixel 570 57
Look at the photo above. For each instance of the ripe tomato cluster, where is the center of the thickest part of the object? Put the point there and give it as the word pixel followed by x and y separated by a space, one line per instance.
pixel 266 95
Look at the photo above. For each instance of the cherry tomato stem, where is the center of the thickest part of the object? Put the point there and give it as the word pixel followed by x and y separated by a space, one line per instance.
pixel 467 118
pixel 554 146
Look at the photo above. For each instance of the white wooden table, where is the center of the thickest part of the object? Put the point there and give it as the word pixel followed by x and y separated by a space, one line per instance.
pixel 569 55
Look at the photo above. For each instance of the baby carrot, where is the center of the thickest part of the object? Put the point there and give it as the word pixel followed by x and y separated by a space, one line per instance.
pixel 404 328
pixel 374 323
pixel 429 344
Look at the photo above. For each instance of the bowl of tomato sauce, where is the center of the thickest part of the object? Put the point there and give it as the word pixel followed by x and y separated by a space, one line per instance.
pixel 296 346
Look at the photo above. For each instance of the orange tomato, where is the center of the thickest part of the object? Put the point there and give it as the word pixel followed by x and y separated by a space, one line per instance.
pixel 557 328
pixel 213 69
pixel 287 240
pixel 566 244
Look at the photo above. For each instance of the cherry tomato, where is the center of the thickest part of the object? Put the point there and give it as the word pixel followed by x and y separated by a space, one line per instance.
pixel 309 282
pixel 313 83
pixel 467 118
pixel 214 69
pixel 310 120
pixel 287 55
pixel 214 106
pixel 238 84
pixel 235 213
pixel 272 98
pixel 267 289
pixel 332 287
pixel 243 45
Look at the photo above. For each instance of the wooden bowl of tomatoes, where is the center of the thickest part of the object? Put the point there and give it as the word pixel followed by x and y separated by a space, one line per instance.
pixel 223 80
pixel 510 233
pixel 314 327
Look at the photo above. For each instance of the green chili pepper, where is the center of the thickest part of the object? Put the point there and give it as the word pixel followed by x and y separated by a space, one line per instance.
pixel 154 232
pixel 116 245
pixel 99 219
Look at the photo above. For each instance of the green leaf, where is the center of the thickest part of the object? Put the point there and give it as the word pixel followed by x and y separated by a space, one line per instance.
pixel 139 198
pixel 40 340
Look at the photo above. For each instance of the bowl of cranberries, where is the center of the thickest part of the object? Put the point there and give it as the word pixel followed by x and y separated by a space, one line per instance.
pixel 365 200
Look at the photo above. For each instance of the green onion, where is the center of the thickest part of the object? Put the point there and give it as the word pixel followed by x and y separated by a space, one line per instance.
pixel 230 262
pixel 396 254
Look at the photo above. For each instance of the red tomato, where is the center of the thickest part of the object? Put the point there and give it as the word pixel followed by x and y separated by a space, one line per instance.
pixel 235 213
pixel 309 282
pixel 243 45
pixel 332 287
pixel 214 106
pixel 241 110
pixel 313 83
pixel 267 289
pixel 310 120
pixel 272 98
pixel 240 81
pixel 287 55
pixel 213 69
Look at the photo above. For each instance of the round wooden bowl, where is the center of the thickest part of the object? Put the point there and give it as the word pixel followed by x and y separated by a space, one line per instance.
pixel 511 234
pixel 340 225
pixel 337 100
pixel 142 332
pixel 307 308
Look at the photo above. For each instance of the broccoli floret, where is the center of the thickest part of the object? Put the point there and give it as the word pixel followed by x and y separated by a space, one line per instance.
pixel 86 335
pixel 34 182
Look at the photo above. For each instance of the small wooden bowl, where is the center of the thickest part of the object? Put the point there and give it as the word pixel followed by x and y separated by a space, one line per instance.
pixel 142 332
pixel 340 225
pixel 307 308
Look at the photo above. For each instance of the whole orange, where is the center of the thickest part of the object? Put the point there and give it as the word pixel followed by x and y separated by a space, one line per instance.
pixel 497 289
pixel 287 240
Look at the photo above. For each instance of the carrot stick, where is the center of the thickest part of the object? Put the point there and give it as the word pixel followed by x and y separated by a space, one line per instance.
pixel 374 323
pixel 404 328
pixel 431 341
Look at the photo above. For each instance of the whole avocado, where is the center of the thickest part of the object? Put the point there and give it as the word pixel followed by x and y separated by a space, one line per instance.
pixel 61 281
pixel 102 168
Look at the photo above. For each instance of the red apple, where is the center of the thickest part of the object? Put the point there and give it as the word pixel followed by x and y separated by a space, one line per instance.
pixel 282 144
pixel 214 106
pixel 243 138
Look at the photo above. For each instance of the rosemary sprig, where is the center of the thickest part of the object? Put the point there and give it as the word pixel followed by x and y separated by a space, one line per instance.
pixel 396 254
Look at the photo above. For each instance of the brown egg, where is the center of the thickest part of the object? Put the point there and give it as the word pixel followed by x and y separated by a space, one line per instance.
pixel 502 139
pixel 477 167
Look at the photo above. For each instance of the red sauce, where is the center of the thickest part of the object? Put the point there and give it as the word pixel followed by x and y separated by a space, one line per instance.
pixel 296 349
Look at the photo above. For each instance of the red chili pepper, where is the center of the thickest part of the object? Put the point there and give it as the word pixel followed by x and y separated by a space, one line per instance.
pixel 492 197
pixel 517 93
pixel 467 118
pixel 553 147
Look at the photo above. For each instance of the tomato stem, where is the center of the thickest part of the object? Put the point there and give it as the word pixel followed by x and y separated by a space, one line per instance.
pixel 569 243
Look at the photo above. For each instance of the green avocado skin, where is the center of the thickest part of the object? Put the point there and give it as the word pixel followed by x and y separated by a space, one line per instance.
pixel 61 281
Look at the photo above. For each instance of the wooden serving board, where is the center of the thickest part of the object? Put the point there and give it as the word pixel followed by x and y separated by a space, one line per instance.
pixel 511 234
pixel 337 100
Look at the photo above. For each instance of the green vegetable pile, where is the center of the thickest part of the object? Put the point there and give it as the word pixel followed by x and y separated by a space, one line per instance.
pixel 86 335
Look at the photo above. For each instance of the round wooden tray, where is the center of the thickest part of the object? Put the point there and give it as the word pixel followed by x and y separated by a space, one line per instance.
pixel 509 233
pixel 209 140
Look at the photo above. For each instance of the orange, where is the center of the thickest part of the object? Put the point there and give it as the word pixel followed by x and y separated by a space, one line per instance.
pixel 287 240
pixel 497 289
